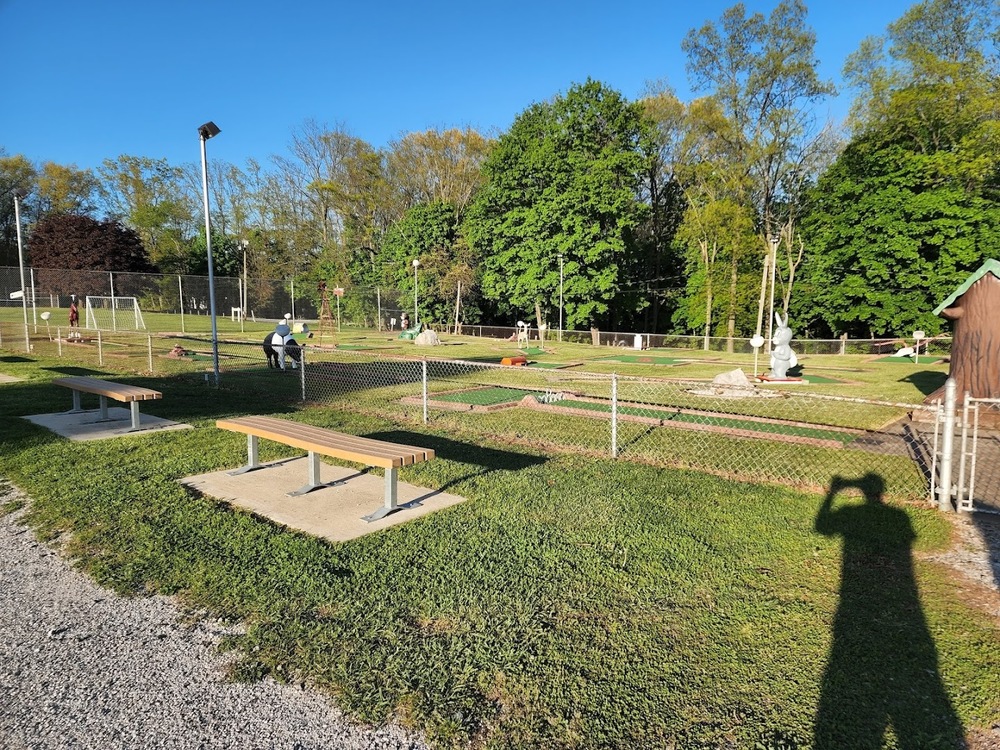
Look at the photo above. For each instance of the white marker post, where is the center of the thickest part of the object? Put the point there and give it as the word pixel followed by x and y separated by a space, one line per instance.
pixel 917 335
pixel 756 342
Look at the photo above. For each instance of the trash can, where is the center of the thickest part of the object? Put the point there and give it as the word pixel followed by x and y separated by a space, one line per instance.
pixel 637 342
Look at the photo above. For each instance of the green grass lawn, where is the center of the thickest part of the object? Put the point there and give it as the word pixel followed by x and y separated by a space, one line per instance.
pixel 571 602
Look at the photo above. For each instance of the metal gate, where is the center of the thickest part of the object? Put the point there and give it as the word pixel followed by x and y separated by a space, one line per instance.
pixel 973 483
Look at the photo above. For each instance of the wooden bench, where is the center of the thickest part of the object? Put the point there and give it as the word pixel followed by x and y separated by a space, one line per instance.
pixel 320 441
pixel 130 394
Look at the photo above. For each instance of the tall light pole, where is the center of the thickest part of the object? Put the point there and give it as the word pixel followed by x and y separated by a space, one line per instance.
pixel 770 318
pixel 206 131
pixel 416 265
pixel 246 284
pixel 18 195
pixel 560 295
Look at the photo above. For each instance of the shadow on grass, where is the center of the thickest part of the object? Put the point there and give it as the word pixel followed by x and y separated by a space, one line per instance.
pixel 86 371
pixel 883 667
pixel 926 381
pixel 14 358
pixel 487 459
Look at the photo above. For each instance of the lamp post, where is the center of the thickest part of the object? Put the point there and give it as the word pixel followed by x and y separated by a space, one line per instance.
pixel 770 317
pixel 560 295
pixel 206 131
pixel 18 195
pixel 416 265
pixel 246 283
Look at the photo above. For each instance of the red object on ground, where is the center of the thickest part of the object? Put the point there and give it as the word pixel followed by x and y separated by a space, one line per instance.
pixel 516 361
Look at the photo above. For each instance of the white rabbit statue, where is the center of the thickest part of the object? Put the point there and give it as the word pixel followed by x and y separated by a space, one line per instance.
pixel 782 356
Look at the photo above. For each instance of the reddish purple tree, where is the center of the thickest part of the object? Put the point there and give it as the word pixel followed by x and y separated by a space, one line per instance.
pixel 59 245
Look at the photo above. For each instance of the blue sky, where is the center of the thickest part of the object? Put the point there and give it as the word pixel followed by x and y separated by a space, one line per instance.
pixel 85 81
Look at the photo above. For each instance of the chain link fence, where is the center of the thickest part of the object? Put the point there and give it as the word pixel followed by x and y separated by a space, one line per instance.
pixel 757 433
pixel 760 433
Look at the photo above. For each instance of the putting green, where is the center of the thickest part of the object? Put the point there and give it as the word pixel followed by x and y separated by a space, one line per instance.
pixel 671 415
pixel 642 359
pixel 498 395
pixel 484 396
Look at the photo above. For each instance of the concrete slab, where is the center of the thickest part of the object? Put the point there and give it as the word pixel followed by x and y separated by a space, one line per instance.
pixel 86 425
pixel 8 379
pixel 333 512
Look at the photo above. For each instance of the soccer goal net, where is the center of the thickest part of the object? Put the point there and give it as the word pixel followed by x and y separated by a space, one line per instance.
pixel 114 314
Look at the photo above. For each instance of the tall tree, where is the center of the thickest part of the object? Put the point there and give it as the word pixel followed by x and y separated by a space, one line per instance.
pixel 148 195
pixel 65 190
pixel 430 233
pixel 564 180
pixel 911 207
pixel 439 166
pixel 16 173
pixel 66 243
pixel 762 72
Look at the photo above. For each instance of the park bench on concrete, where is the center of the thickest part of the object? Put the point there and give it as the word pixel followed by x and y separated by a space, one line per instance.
pixel 321 441
pixel 130 394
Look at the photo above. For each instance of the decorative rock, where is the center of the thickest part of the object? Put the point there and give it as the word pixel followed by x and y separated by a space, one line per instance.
pixel 427 337
pixel 734 377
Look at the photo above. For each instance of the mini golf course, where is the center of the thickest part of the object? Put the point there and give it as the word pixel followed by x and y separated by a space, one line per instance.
pixel 493 398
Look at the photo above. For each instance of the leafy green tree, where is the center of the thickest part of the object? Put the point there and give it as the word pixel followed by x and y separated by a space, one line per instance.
pixel 16 173
pixel 762 74
pixel 430 233
pixel 564 180
pixel 893 235
pixel 65 190
pixel 910 208
pixel 148 195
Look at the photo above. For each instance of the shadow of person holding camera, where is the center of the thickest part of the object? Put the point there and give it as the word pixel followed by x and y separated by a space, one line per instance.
pixel 882 670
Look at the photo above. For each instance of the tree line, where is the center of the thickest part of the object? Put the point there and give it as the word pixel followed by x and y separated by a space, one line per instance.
pixel 654 214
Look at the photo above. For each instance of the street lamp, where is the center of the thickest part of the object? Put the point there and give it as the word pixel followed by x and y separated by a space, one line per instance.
pixel 206 131
pixel 246 283
pixel 560 295
pixel 775 239
pixel 18 195
pixel 416 265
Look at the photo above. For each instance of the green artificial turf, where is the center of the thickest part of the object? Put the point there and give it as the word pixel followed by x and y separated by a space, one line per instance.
pixel 642 359
pixel 773 428
pixel 484 396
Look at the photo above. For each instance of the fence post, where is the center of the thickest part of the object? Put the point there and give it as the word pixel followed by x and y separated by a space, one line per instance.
pixel 100 348
pixel 180 297
pixel 947 445
pixel 424 363
pixel 614 415
pixel 963 446
pixel 149 348
pixel 59 340
pixel 302 371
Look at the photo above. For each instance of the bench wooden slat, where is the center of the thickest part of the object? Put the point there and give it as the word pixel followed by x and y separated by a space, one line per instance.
pixel 117 391
pixel 329 443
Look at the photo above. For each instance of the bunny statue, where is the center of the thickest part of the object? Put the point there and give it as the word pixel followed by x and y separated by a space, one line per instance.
pixel 782 356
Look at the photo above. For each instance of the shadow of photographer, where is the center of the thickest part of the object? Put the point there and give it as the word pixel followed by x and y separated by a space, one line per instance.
pixel 882 670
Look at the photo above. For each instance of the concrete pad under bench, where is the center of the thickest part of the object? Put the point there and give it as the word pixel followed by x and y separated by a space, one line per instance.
pixel 89 425
pixel 333 512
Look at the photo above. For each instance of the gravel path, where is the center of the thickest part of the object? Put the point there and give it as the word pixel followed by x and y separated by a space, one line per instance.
pixel 83 668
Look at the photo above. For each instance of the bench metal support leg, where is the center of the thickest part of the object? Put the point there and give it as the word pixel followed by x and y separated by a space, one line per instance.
pixel 314 480
pixel 252 454
pixel 76 403
pixel 134 409
pixel 391 497
pixel 104 409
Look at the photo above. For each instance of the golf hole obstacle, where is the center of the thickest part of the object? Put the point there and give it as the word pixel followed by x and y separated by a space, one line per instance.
pixel 485 399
